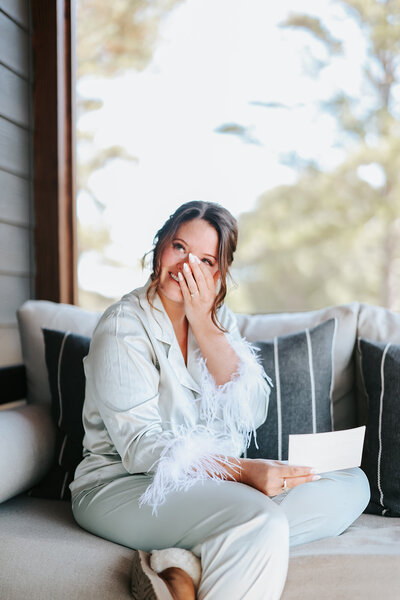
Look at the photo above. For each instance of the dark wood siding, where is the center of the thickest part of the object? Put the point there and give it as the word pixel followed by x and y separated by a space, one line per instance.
pixel 16 214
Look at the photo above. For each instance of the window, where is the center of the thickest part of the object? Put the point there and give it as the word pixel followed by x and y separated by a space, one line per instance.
pixel 288 119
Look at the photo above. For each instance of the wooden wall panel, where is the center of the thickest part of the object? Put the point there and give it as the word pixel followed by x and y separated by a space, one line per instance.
pixel 16 215
pixel 13 293
pixel 14 46
pixel 14 149
pixel 14 97
pixel 14 250
pixel 10 347
pixel 14 199
pixel 18 10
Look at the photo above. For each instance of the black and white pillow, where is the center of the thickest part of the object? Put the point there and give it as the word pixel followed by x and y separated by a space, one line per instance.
pixel 380 366
pixel 301 368
pixel 64 353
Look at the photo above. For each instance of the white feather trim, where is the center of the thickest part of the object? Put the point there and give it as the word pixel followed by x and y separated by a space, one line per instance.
pixel 232 404
pixel 195 453
pixel 188 455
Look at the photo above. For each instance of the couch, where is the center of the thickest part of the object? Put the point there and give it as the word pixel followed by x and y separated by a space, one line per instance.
pixel 45 555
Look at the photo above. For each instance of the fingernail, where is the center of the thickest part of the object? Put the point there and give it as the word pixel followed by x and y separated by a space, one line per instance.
pixel 180 276
pixel 193 258
pixel 316 477
pixel 186 267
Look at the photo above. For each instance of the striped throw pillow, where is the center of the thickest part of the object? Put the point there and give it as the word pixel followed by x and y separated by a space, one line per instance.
pixel 301 368
pixel 64 353
pixel 380 370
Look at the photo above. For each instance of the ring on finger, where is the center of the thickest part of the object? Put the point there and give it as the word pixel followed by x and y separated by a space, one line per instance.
pixel 284 485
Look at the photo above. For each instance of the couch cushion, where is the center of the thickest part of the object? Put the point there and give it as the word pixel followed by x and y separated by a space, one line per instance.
pixel 26 448
pixel 258 327
pixel 44 551
pixel 360 564
pixel 64 359
pixel 378 324
pixel 35 315
pixel 301 368
pixel 44 554
pixel 380 364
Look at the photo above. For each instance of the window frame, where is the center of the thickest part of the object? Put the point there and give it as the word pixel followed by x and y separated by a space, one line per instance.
pixel 53 41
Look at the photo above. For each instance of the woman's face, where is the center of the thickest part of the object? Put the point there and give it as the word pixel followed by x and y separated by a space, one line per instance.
pixel 199 238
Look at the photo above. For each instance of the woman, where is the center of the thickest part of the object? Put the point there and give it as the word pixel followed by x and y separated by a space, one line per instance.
pixel 173 396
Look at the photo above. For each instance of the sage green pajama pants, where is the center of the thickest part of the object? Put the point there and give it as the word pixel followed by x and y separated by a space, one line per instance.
pixel 241 535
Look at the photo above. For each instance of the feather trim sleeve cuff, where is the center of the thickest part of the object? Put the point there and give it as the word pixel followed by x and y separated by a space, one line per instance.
pixel 188 455
pixel 241 404
pixel 230 414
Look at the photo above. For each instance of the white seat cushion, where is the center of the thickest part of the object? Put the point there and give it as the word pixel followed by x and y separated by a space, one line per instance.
pixel 360 564
pixel 45 552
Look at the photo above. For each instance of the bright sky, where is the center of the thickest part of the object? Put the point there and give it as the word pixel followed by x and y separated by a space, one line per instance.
pixel 218 62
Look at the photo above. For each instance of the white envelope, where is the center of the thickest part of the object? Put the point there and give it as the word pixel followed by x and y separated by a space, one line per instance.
pixel 327 451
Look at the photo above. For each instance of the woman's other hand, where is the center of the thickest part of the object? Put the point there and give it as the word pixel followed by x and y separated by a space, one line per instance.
pixel 268 476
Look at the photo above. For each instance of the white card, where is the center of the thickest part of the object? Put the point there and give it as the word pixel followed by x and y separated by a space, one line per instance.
pixel 327 451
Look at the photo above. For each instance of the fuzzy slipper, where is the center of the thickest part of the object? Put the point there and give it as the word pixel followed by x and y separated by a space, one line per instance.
pixel 177 557
pixel 146 584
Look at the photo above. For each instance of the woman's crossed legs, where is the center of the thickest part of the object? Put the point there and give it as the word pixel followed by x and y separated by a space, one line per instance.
pixel 241 535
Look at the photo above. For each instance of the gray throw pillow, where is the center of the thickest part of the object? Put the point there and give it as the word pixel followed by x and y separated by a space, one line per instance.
pixel 64 353
pixel 301 368
pixel 380 366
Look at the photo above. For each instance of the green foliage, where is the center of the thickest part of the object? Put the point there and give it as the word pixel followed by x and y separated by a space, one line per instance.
pixel 333 237
pixel 316 28
pixel 117 35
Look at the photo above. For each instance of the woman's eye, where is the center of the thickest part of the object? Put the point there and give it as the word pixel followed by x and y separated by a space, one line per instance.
pixel 179 247
pixel 208 262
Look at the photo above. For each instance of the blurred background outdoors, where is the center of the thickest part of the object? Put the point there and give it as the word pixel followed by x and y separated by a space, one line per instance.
pixel 287 113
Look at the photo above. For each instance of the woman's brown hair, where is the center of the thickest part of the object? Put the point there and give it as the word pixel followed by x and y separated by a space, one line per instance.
pixel 224 224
